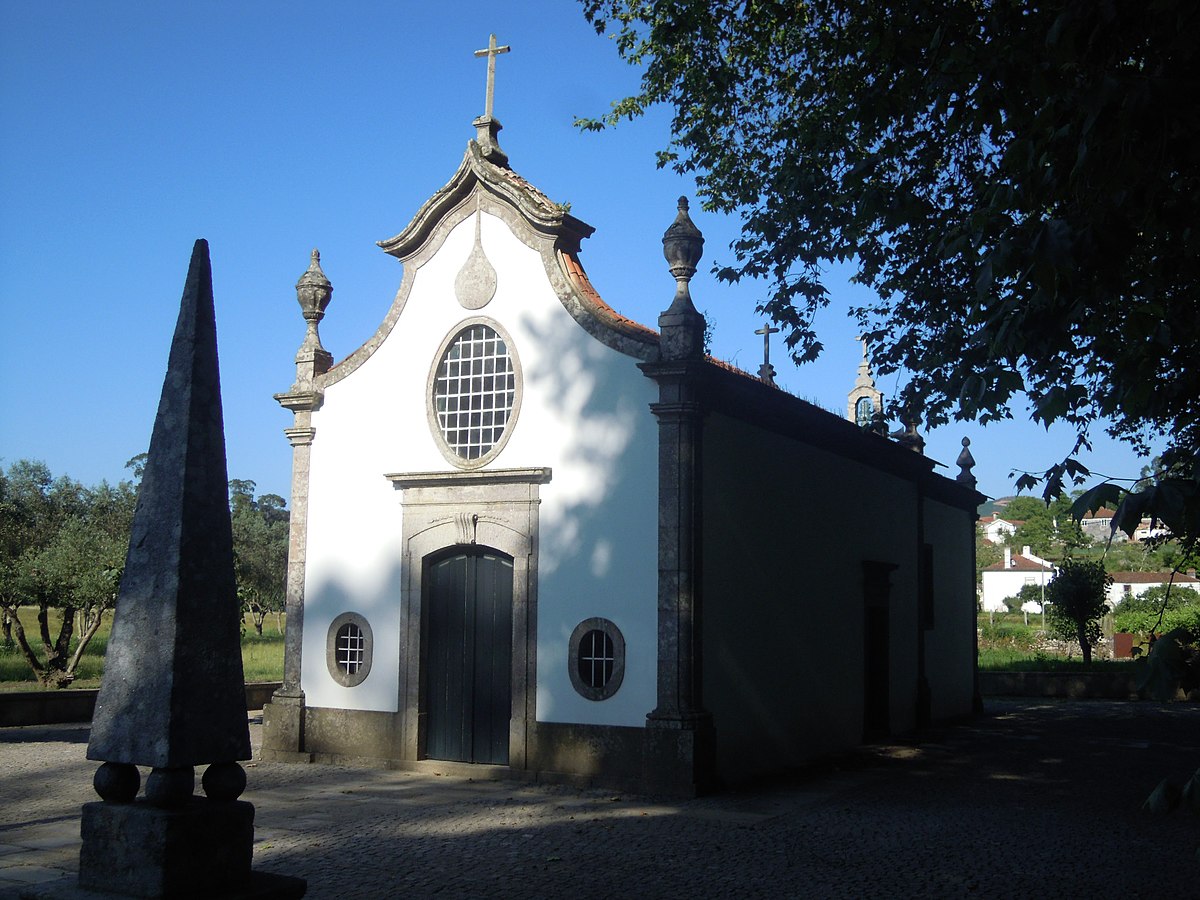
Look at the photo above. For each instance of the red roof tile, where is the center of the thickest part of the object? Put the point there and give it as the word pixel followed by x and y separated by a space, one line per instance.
pixel 1019 564
pixel 575 271
pixel 579 278
pixel 1152 578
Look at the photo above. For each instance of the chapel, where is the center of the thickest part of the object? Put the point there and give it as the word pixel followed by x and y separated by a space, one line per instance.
pixel 531 537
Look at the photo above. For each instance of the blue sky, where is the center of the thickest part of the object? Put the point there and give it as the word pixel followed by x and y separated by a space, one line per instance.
pixel 270 128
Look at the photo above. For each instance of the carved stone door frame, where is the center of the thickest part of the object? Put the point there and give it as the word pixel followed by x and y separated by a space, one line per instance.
pixel 494 508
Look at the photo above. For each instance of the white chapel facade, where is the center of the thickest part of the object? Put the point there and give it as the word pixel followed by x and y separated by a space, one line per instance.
pixel 531 534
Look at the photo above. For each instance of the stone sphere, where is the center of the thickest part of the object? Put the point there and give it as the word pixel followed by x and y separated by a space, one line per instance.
pixel 117 782
pixel 224 781
pixel 170 787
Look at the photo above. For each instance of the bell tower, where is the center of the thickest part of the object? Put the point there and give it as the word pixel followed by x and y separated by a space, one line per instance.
pixel 865 400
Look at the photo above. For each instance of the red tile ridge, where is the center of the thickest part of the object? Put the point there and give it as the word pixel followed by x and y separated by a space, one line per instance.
pixel 1152 578
pixel 578 276
pixel 730 367
pixel 1019 564
pixel 545 202
pixel 575 271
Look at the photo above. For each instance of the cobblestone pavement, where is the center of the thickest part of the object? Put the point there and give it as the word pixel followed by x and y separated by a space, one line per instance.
pixel 1033 799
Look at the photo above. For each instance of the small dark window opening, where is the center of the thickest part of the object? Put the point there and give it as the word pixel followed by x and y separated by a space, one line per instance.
pixel 596 658
pixel 864 410
pixel 926 585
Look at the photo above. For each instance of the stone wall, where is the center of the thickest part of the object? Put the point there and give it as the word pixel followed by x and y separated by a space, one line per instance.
pixel 1060 685
pixel 56 707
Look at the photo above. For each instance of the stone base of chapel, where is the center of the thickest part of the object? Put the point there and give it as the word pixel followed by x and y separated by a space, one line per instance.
pixel 662 761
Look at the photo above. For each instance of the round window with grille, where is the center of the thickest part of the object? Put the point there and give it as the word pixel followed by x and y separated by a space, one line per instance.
pixel 474 396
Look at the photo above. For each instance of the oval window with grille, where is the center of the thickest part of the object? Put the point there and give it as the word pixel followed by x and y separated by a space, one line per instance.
pixel 348 649
pixel 474 394
pixel 596 658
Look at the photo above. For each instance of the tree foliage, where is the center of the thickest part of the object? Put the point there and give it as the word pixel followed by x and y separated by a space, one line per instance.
pixel 1048 529
pixel 1158 610
pixel 986 553
pixel 1021 509
pixel 62 546
pixel 1019 184
pixel 260 547
pixel 1075 602
pixel 1029 593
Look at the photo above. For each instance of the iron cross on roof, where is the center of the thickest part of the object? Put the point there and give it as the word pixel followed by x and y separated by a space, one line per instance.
pixel 766 371
pixel 491 52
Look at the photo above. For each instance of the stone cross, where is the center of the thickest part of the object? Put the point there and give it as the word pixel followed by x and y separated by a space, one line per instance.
pixel 491 52
pixel 766 371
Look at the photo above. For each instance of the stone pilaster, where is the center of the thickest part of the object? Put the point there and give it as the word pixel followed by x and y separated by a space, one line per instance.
pixel 283 717
pixel 925 588
pixel 680 740
pixel 966 477
pixel 680 749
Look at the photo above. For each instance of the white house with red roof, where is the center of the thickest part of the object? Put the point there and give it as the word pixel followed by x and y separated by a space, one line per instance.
pixel 533 537
pixel 1097 525
pixel 1005 579
pixel 997 530
pixel 1134 584
pixel 1148 529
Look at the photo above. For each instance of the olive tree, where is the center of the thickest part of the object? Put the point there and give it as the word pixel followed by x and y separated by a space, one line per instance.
pixel 260 550
pixel 1075 602
pixel 62 547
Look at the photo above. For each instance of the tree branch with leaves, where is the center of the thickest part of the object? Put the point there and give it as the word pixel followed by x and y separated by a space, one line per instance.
pixel 1018 183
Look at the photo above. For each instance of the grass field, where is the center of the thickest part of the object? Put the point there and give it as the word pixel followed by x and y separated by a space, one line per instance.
pixel 262 657
pixel 1008 644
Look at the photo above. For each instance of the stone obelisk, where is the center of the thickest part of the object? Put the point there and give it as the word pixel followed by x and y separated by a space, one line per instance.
pixel 173 695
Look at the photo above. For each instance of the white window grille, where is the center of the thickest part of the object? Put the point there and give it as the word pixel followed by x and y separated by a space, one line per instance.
pixel 596 658
pixel 474 391
pixel 351 648
pixel 348 649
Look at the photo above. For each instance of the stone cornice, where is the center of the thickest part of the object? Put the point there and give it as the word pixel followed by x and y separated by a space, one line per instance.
pixel 300 437
pixel 301 401
pixel 542 214
pixel 534 475
pixel 746 399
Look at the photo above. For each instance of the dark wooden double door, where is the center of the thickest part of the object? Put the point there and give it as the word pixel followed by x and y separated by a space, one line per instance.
pixel 468 605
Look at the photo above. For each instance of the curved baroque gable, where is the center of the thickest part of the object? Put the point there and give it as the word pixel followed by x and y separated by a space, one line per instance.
pixel 537 221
